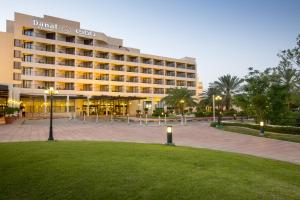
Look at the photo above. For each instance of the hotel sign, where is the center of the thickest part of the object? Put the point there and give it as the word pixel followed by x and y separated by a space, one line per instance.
pixel 67 29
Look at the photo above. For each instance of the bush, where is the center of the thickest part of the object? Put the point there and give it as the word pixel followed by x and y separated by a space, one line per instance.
pixel 230 112
pixel 159 112
pixel 203 114
pixel 275 129
pixel 10 110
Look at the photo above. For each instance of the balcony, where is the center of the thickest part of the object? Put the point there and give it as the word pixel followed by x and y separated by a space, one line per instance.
pixel 84 41
pixel 133 69
pixel 86 76
pixel 180 83
pixel 146 91
pixel 65 38
pixel 158 91
pixel 70 51
pixel 146 61
pixel 132 59
pixel 132 90
pixel 45 61
pixel 191 84
pixel 102 66
pixel 191 76
pixel 118 68
pixel 148 81
pixel 118 79
pixel 117 89
pixel 181 75
pixel 170 64
pixel 146 71
pixel 85 65
pixel 103 78
pixel 104 88
pixel 118 57
pixel 159 72
pixel 170 82
pixel 159 62
pixel 133 80
pixel 85 53
pixel 158 81
pixel 170 73
pixel 180 65
pixel 70 63
pixel 102 55
pixel 191 67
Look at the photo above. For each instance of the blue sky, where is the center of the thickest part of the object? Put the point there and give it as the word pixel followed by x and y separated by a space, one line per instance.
pixel 224 36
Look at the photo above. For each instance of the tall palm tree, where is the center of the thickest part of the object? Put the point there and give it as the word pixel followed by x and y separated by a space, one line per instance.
pixel 228 85
pixel 179 98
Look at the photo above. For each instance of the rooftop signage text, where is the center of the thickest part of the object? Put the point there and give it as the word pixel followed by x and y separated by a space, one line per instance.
pixel 53 26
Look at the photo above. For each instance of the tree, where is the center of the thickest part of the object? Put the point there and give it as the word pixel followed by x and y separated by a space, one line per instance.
pixel 179 97
pixel 228 86
pixel 256 87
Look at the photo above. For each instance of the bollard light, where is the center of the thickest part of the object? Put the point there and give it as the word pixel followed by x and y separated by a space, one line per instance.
pixel 169 135
pixel 262 131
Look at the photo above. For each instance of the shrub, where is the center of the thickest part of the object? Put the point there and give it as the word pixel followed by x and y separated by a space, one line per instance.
pixel 276 129
pixel 203 114
pixel 159 112
pixel 10 110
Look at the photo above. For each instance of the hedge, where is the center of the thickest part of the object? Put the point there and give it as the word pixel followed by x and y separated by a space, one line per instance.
pixel 275 129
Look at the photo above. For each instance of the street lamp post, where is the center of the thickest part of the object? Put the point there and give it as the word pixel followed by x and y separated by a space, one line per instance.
pixel 182 106
pixel 219 99
pixel 51 91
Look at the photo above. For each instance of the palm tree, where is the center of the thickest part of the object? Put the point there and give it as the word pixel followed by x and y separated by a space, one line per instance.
pixel 179 98
pixel 228 85
pixel 288 77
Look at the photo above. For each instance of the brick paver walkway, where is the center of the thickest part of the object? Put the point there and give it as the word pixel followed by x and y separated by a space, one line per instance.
pixel 194 135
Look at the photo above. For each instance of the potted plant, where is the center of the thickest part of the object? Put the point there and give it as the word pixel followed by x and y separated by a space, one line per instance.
pixel 8 115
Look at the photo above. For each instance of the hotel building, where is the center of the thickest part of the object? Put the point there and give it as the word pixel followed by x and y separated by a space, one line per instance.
pixel 93 72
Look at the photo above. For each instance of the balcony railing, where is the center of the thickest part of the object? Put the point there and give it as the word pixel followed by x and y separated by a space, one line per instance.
pixel 158 72
pixel 133 70
pixel 133 80
pixel 102 78
pixel 181 75
pixel 118 79
pixel 66 64
pixel 132 91
pixel 105 56
pixel 101 66
pixel 85 65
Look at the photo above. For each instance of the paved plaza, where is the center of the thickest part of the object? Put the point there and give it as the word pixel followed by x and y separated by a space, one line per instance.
pixel 195 134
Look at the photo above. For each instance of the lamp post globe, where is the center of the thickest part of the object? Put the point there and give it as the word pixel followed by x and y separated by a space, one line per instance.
pixel 51 91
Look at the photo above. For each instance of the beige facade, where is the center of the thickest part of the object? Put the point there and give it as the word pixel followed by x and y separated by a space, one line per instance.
pixel 90 69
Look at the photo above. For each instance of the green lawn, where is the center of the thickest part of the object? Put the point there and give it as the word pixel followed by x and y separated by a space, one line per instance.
pixel 249 131
pixel 106 170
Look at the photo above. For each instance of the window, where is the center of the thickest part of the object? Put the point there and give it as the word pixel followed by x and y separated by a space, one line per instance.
pixel 17 76
pixel 27 71
pixel 26 84
pixel 17 65
pixel 17 43
pixel 28 32
pixel 27 58
pixel 28 45
pixel 17 54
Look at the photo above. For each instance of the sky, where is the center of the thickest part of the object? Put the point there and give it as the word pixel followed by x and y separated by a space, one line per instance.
pixel 224 36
